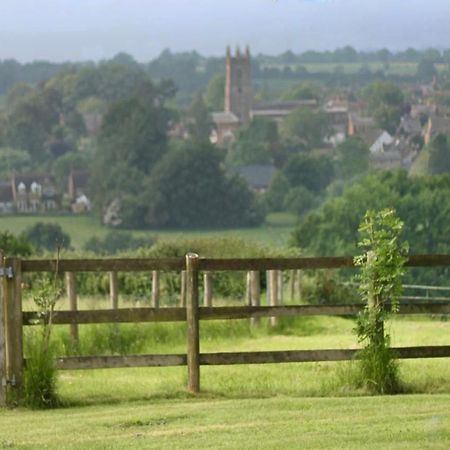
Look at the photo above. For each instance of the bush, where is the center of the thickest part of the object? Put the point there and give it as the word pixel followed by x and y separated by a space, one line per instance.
pixel 116 241
pixel 47 236
pixel 12 245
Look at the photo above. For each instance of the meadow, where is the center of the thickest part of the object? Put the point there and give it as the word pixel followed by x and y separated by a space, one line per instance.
pixel 299 405
pixel 275 231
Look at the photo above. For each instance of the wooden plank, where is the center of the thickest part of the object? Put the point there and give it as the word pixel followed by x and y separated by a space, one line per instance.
pixel 73 304
pixel 220 313
pixel 2 343
pixel 13 323
pixel 104 265
pixel 192 318
pixel 108 362
pixel 262 264
pixel 121 315
pixel 315 355
pixel 103 362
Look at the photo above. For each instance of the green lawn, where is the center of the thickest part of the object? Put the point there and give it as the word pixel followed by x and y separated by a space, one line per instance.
pixel 275 232
pixel 307 405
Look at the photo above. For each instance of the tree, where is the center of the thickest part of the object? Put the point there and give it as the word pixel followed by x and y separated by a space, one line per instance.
pixel 12 160
pixel 215 92
pixel 132 139
pixel 304 128
pixel 258 143
pixel 426 70
pixel 11 245
pixel 386 104
pixel 116 241
pixel 199 123
pixel 188 188
pixel 277 191
pixel 46 236
pixel 352 157
pixel 299 200
pixel 439 161
pixel 306 90
pixel 313 172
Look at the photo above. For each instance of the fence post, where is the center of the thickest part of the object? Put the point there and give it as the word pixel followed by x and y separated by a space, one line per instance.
pixel 155 289
pixel 13 322
pixel 273 293
pixel 298 287
pixel 292 280
pixel 255 293
pixel 192 317
pixel 183 289
pixel 73 304
pixel 248 289
pixel 208 289
pixel 2 344
pixel 280 287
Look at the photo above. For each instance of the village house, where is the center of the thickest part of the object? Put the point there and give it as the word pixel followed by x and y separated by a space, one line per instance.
pixel 77 191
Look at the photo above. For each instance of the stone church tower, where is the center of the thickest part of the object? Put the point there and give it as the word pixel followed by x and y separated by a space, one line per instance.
pixel 238 85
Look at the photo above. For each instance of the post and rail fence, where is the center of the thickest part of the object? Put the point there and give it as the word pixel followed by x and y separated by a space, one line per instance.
pixel 13 318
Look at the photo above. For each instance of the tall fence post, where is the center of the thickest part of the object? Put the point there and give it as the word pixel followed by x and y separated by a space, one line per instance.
pixel 208 289
pixel 73 304
pixel 2 343
pixel 192 317
pixel 155 289
pixel 113 290
pixel 255 293
pixel 13 322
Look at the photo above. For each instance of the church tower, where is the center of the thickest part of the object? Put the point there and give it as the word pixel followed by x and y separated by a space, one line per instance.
pixel 238 85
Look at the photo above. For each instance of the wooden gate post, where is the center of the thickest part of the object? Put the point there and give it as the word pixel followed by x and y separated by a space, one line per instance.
pixel 12 295
pixel 192 317
pixel 73 304
pixel 2 342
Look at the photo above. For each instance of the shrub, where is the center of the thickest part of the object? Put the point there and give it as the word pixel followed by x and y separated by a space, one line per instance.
pixel 47 236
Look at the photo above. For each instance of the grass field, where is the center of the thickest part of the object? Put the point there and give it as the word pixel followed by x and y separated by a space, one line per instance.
pixel 256 406
pixel 275 232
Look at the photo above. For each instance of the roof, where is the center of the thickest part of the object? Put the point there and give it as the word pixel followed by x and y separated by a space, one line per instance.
pixel 410 125
pixel 258 176
pixel 361 121
pixel 440 124
pixel 28 178
pixel 286 106
pixel 224 117
pixel 370 135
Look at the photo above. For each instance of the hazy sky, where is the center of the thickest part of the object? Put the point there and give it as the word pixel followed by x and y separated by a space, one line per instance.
pixel 94 29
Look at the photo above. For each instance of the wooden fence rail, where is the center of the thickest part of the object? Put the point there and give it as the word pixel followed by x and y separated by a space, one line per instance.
pixel 12 318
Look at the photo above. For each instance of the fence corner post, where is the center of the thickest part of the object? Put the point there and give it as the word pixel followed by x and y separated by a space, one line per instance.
pixel 13 320
pixel 192 318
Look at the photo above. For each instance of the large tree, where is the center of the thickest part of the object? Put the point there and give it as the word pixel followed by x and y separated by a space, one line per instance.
pixel 189 188
pixel 352 157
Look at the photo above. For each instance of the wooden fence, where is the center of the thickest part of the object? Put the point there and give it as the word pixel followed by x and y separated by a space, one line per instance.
pixel 13 318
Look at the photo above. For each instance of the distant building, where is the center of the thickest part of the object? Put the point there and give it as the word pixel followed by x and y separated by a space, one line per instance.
pixel 77 191
pixel 436 125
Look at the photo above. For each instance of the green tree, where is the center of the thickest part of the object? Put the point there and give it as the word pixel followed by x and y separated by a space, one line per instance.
pixel 306 90
pixel 258 143
pixel 199 123
pixel 386 104
pixel 46 236
pixel 426 70
pixel 12 160
pixel 11 245
pixel 314 172
pixel 188 188
pixel 304 128
pixel 439 160
pixel 299 200
pixel 352 157
pixel 215 93
pixel 277 191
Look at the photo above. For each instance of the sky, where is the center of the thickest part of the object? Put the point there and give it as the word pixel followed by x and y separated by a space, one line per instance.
pixel 62 30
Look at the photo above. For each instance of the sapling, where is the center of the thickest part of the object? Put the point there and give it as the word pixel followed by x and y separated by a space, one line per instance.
pixel 382 267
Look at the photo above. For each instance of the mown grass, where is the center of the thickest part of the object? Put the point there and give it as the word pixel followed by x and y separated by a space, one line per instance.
pixel 276 231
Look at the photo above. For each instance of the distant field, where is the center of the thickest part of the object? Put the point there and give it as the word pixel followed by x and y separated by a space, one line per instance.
pixel 275 232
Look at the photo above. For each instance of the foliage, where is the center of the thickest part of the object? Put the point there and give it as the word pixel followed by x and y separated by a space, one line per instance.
pixel 40 372
pixel 306 90
pixel 11 245
pixel 382 268
pixel 299 200
pixel 422 203
pixel 13 160
pixel 439 155
pixel 314 172
pixel 386 104
pixel 304 128
pixel 426 70
pixel 278 188
pixel 215 92
pixel 116 241
pixel 352 157
pixel 189 188
pixel 199 124
pixel 258 143
pixel 47 236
